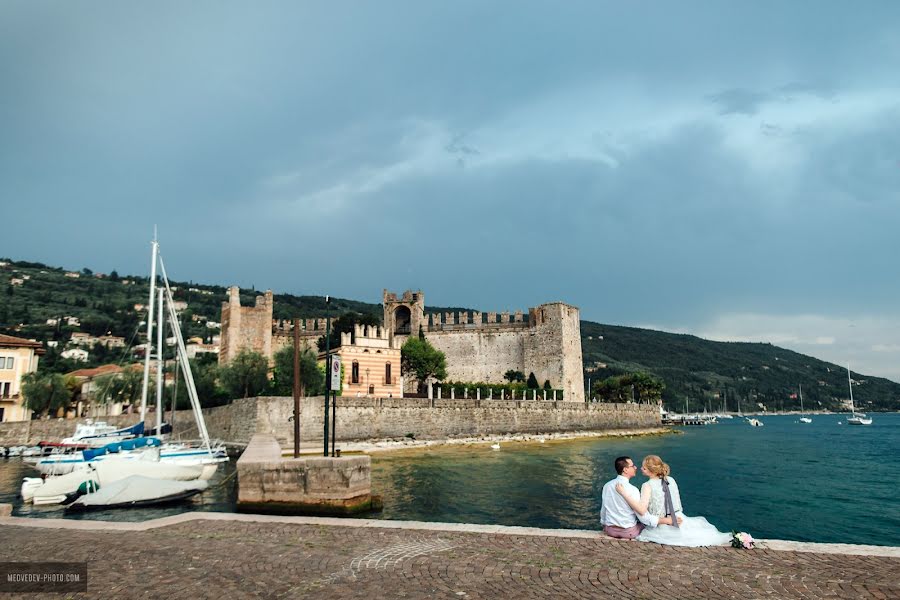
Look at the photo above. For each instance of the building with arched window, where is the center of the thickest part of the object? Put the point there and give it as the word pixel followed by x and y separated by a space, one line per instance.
pixel 371 365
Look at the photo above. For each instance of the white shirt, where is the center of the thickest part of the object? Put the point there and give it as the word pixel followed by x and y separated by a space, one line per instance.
pixel 615 510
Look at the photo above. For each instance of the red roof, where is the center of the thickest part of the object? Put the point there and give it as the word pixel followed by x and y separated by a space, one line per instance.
pixel 14 342
pixel 101 370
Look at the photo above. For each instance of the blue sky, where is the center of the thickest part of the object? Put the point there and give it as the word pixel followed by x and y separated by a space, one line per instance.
pixel 723 169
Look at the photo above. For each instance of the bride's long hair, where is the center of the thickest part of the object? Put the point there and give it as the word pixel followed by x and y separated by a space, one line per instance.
pixel 656 466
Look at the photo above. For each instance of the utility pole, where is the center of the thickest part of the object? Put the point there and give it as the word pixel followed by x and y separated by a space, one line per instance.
pixel 296 388
pixel 327 368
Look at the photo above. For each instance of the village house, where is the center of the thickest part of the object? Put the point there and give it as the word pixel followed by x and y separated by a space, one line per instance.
pixel 91 380
pixel 80 338
pixel 75 354
pixel 18 357
pixel 73 275
pixel 371 364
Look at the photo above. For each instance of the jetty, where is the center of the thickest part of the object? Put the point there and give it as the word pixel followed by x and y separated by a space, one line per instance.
pixel 222 555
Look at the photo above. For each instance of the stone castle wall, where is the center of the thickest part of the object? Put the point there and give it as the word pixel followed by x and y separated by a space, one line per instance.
pixel 479 347
pixel 245 327
pixel 482 347
pixel 371 418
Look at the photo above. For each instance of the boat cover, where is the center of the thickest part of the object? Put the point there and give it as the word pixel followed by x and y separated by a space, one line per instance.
pixel 92 453
pixel 138 489
pixel 109 471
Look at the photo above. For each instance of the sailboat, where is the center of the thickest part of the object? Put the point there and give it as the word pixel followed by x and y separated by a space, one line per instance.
pixel 855 418
pixel 802 418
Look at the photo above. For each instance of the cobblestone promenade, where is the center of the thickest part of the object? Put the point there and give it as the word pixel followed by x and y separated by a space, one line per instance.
pixel 241 558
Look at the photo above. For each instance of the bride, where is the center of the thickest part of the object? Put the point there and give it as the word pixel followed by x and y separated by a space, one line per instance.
pixel 694 531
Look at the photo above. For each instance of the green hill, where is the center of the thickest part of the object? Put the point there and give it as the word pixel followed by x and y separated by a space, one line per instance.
pixel 697 373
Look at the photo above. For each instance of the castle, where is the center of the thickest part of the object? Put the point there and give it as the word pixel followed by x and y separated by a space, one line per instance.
pixel 479 347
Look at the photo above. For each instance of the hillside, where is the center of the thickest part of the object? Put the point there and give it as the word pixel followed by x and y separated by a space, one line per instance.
pixel 697 373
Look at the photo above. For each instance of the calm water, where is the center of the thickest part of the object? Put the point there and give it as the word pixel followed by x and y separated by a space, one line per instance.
pixel 820 482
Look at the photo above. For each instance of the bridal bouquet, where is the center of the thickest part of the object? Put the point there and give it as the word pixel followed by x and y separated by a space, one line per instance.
pixel 742 539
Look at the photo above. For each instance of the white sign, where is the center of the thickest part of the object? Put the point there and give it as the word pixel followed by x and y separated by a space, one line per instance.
pixel 335 373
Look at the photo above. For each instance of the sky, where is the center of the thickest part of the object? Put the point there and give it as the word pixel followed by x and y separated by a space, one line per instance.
pixel 730 170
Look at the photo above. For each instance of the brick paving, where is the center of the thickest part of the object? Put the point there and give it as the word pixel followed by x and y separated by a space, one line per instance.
pixel 241 559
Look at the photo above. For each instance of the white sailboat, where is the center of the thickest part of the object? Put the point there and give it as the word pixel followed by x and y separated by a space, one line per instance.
pixel 802 418
pixel 855 418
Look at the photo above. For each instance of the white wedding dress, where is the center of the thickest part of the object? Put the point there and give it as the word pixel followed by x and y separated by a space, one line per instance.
pixel 694 531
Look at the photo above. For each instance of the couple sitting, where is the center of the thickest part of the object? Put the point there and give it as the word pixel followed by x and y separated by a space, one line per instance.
pixel 648 515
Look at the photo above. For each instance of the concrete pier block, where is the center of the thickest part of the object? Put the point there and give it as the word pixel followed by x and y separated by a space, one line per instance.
pixel 271 483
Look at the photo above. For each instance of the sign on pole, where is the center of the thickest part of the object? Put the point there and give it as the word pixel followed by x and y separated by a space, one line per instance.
pixel 335 373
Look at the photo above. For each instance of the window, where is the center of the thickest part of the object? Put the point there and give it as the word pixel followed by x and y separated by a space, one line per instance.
pixel 4 389
pixel 354 374
pixel 9 362
pixel 387 374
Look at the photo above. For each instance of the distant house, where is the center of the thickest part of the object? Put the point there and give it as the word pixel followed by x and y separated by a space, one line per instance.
pixel 73 274
pixel 138 308
pixel 3 263
pixel 16 281
pixel 197 318
pixel 180 305
pixel 80 338
pixel 18 357
pixel 213 325
pixel 53 322
pixel 194 349
pixel 72 321
pixel 52 343
pixel 78 354
pixel 26 277
pixel 112 341
pixel 91 381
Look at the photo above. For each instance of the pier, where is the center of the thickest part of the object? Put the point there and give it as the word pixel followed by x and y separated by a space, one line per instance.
pixel 218 555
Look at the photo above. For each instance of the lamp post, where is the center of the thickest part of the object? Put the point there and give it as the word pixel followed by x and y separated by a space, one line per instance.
pixel 327 370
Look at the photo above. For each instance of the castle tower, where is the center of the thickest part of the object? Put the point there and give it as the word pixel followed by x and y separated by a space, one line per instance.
pixel 403 316
pixel 247 327
pixel 553 348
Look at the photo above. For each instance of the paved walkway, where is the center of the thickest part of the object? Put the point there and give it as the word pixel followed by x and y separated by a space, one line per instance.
pixel 218 555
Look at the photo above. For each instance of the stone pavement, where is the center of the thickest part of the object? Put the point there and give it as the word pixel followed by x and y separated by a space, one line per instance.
pixel 210 555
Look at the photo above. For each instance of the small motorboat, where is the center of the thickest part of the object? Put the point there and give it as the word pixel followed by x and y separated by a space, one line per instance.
pixel 137 491
pixel 755 422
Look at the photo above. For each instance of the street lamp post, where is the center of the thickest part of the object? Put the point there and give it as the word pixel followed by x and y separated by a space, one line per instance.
pixel 327 369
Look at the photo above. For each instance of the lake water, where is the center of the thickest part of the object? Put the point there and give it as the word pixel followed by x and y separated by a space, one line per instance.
pixel 822 482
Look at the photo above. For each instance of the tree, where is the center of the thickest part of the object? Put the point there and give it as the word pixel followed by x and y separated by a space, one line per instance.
pixel 312 380
pixel 125 387
pixel 422 360
pixel 114 275
pixel 514 376
pixel 532 382
pixel 245 375
pixel 547 385
pixel 45 392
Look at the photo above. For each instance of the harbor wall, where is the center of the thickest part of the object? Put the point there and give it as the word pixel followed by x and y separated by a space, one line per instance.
pixel 378 418
pixel 372 418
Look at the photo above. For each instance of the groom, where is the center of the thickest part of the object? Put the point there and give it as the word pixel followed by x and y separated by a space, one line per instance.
pixel 617 518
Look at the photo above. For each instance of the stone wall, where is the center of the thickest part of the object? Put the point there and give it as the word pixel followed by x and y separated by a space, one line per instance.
pixel 245 327
pixel 368 418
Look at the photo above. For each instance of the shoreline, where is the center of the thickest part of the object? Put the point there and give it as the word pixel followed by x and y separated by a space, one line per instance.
pixel 379 446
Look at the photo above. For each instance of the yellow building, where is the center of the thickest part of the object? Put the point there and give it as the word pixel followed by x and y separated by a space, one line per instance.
pixel 18 357
pixel 371 366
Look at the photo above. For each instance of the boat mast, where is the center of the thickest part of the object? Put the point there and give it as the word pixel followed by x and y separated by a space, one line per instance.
pixel 160 365
pixel 801 399
pixel 144 389
pixel 850 383
pixel 183 359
